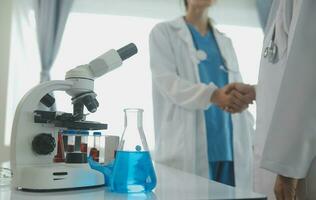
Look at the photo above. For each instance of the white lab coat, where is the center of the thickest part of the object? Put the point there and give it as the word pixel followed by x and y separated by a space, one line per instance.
pixel 286 96
pixel 179 100
pixel 269 81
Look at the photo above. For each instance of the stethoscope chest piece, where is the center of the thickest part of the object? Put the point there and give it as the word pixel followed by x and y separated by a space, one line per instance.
pixel 201 55
pixel 271 51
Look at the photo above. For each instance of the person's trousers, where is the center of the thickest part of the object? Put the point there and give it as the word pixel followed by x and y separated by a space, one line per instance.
pixel 223 172
pixel 307 186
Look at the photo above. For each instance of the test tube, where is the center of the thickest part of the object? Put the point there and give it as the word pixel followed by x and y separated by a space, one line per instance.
pixel 60 156
pixel 84 141
pixel 77 142
pixel 95 150
pixel 71 135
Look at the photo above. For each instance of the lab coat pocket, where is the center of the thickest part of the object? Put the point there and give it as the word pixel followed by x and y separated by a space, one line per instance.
pixel 175 113
pixel 171 140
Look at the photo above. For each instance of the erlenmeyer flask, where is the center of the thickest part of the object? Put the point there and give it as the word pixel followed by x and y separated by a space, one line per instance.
pixel 133 168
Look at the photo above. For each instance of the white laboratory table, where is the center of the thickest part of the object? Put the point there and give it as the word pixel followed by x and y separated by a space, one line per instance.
pixel 172 184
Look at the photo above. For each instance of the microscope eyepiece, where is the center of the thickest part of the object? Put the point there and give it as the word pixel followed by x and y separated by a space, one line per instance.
pixel 127 51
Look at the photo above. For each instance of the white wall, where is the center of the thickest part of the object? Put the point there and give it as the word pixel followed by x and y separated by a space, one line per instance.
pixel 5 24
pixel 228 12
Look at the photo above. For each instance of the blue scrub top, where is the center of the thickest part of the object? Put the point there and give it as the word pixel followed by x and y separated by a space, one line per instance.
pixel 218 122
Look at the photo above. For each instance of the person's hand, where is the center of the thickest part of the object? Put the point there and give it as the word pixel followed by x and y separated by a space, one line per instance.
pixel 285 188
pixel 247 90
pixel 230 99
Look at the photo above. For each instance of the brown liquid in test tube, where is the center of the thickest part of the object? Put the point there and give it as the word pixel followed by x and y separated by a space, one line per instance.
pixel 60 156
pixel 83 147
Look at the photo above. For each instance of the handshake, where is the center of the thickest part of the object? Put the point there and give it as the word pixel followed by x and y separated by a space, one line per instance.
pixel 234 97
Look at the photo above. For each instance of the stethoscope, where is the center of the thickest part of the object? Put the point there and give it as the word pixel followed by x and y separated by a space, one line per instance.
pixel 271 51
pixel 201 56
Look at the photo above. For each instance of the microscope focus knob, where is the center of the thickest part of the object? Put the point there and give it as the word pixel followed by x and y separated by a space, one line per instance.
pixel 43 144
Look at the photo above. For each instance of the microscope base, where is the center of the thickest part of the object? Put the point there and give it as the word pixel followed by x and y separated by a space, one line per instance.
pixel 58 177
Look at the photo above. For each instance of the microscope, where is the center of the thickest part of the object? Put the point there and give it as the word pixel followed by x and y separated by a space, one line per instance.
pixel 35 132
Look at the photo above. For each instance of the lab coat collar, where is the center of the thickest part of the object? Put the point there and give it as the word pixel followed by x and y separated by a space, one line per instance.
pixel 222 45
pixel 180 26
pixel 184 34
pixel 183 31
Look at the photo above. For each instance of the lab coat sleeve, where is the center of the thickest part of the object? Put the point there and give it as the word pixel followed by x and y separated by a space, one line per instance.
pixel 291 142
pixel 179 91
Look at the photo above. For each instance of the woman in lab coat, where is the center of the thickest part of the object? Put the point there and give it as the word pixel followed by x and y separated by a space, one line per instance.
pixel 191 63
pixel 286 94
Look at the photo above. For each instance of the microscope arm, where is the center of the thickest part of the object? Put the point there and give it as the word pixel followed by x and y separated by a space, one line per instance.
pixel 31 99
pixel 21 153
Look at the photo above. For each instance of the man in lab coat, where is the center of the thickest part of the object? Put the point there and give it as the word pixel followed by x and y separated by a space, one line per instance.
pixel 285 95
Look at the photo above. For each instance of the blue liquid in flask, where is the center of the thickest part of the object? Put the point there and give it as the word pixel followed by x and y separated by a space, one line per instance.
pixel 133 172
